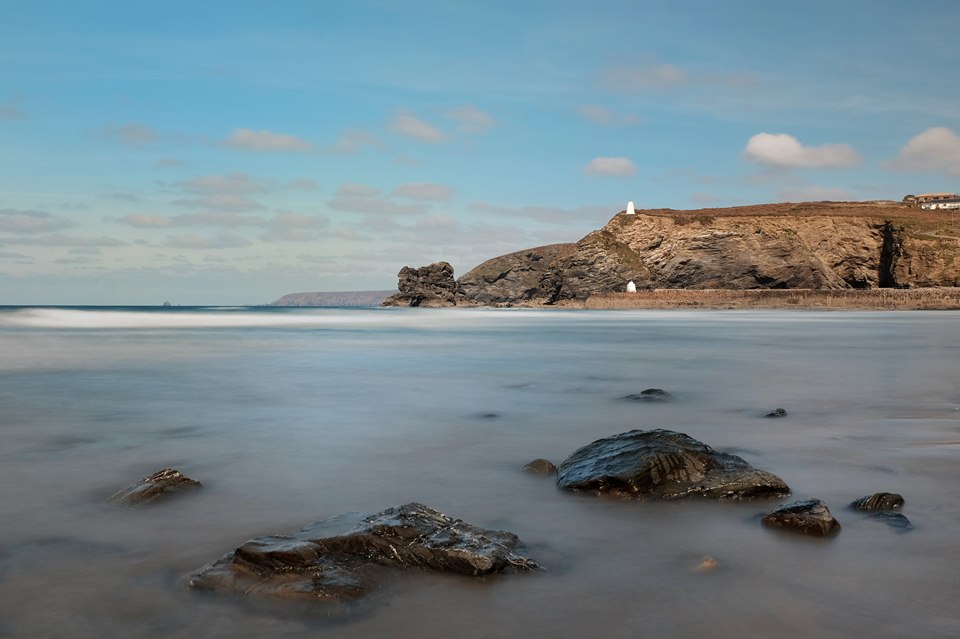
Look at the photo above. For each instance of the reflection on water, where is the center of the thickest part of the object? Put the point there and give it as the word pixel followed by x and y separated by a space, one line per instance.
pixel 289 416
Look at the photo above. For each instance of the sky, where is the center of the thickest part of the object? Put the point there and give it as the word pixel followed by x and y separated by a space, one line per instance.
pixel 232 152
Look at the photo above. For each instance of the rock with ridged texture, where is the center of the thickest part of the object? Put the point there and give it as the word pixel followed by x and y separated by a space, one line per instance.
pixel 878 502
pixel 808 517
pixel 160 484
pixel 341 559
pixel 431 286
pixel 776 413
pixel 662 464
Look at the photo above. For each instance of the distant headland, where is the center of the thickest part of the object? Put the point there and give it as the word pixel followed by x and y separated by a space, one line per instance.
pixel 842 254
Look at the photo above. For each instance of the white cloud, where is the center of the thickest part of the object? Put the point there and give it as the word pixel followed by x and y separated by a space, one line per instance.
pixel 605 117
pixel 353 140
pixel 781 150
pixel 471 119
pixel 146 221
pixel 936 149
pixel 10 112
pixel 352 189
pixel 61 240
pixel 220 201
pixel 413 127
pixel 169 163
pixel 221 240
pixel 303 184
pixel 227 183
pixel 20 221
pixel 291 226
pixel 639 78
pixel 610 166
pixel 251 140
pixel 424 191
pixel 132 134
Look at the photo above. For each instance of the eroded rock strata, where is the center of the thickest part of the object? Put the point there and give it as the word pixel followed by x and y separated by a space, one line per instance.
pixel 808 517
pixel 344 558
pixel 162 483
pixel 662 464
pixel 817 245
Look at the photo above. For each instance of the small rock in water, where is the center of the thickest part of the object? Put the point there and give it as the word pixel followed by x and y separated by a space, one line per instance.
pixel 777 412
pixel 650 395
pixel 810 517
pixel 708 564
pixel 161 483
pixel 663 464
pixel 879 502
pixel 540 467
pixel 341 559
pixel 894 520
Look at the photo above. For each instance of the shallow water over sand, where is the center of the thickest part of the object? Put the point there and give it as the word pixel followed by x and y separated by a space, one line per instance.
pixel 289 415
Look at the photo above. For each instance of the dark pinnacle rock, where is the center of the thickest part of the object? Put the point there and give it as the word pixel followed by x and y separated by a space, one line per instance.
pixel 662 464
pixel 777 412
pixel 894 520
pixel 430 286
pixel 344 558
pixel 160 484
pixel 650 395
pixel 879 502
pixel 540 467
pixel 809 517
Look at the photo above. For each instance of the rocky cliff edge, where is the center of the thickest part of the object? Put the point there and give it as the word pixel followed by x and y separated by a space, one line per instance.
pixel 817 245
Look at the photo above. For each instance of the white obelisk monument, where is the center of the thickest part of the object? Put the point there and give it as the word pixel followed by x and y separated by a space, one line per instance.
pixel 630 209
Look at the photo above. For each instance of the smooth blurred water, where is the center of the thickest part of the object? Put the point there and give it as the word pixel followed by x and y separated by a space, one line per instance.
pixel 291 415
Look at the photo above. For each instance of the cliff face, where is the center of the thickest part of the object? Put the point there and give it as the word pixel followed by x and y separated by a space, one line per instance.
pixel 811 246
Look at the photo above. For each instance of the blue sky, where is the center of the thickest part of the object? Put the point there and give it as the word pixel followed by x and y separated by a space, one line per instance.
pixel 231 152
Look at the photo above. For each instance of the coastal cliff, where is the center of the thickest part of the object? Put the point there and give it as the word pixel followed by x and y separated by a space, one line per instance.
pixel 816 246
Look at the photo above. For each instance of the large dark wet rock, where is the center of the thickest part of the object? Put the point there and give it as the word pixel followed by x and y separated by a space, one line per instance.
pixel 343 558
pixel 160 484
pixel 879 502
pixel 776 412
pixel 809 517
pixel 662 464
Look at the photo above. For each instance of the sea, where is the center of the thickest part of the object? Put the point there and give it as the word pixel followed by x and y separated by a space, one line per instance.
pixel 288 416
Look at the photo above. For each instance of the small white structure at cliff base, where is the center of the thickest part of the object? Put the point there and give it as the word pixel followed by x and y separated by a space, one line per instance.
pixel 631 287
pixel 630 209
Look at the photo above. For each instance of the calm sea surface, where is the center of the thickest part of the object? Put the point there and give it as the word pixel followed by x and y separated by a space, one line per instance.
pixel 291 415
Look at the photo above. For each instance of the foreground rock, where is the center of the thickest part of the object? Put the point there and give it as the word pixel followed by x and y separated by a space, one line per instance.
pixel 344 558
pixel 662 464
pixel 879 502
pixel 431 285
pixel 160 484
pixel 776 413
pixel 809 517
pixel 894 520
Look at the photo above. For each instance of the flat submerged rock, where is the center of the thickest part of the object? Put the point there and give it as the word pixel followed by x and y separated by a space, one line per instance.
pixel 342 559
pixel 663 464
pixel 162 483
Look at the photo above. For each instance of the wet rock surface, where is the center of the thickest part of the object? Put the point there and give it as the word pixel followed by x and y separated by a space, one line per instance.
pixel 430 286
pixel 878 502
pixel 161 484
pixel 662 464
pixel 809 517
pixel 650 395
pixel 776 412
pixel 540 467
pixel 341 559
